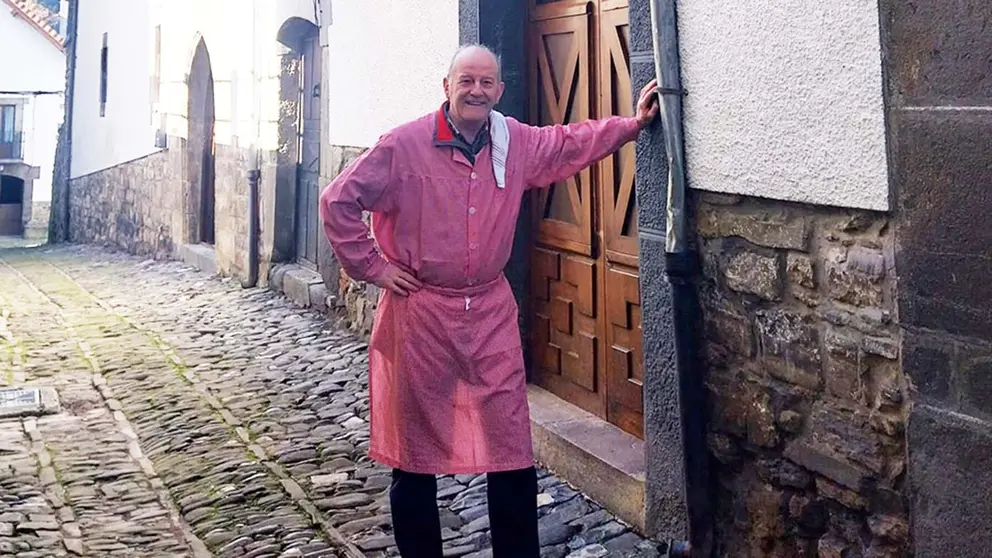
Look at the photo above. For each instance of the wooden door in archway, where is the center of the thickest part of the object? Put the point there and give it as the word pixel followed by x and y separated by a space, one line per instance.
pixel 586 329
pixel 308 174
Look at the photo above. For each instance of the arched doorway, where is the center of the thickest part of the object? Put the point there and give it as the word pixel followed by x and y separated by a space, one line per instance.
pixel 299 165
pixel 201 148
pixel 11 206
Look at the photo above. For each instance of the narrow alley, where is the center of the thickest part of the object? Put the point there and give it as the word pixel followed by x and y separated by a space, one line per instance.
pixel 197 418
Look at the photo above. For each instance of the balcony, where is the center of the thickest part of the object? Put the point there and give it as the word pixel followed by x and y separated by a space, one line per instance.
pixel 11 147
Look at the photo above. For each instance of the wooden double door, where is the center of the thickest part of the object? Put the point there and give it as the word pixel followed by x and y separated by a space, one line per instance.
pixel 586 329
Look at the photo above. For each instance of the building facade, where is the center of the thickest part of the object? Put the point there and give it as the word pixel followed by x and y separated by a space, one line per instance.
pixel 839 165
pixel 32 86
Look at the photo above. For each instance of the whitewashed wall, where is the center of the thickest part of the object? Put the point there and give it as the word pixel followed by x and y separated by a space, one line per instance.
pixel 785 100
pixel 126 132
pixel 33 63
pixel 240 36
pixel 42 118
pixel 386 61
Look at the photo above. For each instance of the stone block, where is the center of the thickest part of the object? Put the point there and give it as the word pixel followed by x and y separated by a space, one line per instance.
pixel 800 270
pixel 729 403
pixel 276 277
pixel 943 182
pixel 854 276
pixel 716 198
pixel 931 50
pixel 784 473
pixel 949 483
pixel 841 495
pixel 596 457
pixel 843 368
pixel 839 445
pixel 872 321
pixel 880 346
pixel 975 384
pixel 765 518
pixel 744 409
pixel 771 228
pixel 729 335
pixel 748 272
pixel 297 284
pixel 318 297
pixel 789 343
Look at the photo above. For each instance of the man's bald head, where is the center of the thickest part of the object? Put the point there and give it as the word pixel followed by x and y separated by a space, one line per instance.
pixel 473 87
pixel 474 51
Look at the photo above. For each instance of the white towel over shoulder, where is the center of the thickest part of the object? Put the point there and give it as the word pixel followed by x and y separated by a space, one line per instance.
pixel 500 135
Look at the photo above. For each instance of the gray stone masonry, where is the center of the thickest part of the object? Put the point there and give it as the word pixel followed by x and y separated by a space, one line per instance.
pixel 808 401
pixel 199 418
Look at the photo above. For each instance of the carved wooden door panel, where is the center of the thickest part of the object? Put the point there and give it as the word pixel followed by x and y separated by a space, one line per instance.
pixel 625 375
pixel 586 323
pixel 561 93
pixel 568 358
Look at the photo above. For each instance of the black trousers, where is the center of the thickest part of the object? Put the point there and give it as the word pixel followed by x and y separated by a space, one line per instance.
pixel 512 514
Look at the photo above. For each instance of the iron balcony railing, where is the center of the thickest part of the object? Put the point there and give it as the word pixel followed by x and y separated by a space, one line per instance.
pixel 11 146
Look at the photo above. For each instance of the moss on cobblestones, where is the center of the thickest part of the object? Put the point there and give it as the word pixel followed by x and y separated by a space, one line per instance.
pixel 253 412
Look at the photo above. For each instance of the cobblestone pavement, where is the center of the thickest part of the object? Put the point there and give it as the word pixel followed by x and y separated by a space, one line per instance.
pixel 199 418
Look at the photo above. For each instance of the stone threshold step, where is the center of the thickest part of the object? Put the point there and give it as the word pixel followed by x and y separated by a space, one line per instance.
pixel 305 287
pixel 200 256
pixel 599 459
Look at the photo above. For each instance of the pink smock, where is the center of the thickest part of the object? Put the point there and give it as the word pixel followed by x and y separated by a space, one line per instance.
pixel 446 380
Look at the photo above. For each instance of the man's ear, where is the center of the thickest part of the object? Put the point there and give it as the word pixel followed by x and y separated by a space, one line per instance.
pixel 447 94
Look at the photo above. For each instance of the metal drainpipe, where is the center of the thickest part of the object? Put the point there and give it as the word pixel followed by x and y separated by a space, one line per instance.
pixel 681 266
pixel 253 209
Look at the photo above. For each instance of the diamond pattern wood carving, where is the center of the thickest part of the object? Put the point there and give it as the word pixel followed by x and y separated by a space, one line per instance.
pixel 586 319
pixel 566 339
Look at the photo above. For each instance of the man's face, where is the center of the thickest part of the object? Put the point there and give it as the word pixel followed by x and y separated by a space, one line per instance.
pixel 473 87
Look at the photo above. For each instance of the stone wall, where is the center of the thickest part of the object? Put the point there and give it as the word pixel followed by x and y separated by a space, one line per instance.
pixel 142 207
pixel 231 210
pixel 37 225
pixel 940 114
pixel 355 300
pixel 808 400
pixel 129 206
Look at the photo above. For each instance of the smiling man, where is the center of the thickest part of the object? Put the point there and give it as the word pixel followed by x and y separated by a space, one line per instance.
pixel 446 379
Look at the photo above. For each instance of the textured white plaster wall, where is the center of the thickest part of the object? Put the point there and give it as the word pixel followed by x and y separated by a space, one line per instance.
pixel 241 39
pixel 33 63
pixel 386 61
pixel 240 36
pixel 785 100
pixel 125 132
pixel 42 117
pixel 30 61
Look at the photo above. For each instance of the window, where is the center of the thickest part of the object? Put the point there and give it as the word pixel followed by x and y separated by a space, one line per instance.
pixel 103 77
pixel 8 113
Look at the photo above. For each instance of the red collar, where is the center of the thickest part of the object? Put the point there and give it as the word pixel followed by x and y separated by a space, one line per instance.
pixel 444 132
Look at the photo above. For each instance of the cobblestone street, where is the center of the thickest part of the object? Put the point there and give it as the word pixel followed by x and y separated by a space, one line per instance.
pixel 198 418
